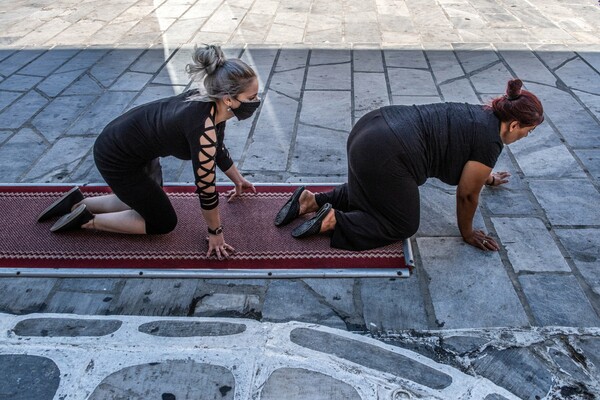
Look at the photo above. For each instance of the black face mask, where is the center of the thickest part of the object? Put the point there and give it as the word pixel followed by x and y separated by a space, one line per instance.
pixel 246 109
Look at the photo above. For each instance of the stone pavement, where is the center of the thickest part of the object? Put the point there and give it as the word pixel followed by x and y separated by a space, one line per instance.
pixel 68 67
pixel 47 356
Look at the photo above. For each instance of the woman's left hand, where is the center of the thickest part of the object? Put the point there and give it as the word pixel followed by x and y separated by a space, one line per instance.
pixel 482 241
pixel 241 186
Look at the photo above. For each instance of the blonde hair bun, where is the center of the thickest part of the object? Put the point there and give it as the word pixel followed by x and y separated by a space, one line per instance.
pixel 205 61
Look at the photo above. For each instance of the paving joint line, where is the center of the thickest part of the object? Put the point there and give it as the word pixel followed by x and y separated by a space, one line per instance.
pixel 267 84
pixel 292 148
pixel 322 127
pixel 386 77
pixel 432 74
pixel 423 280
pixel 285 95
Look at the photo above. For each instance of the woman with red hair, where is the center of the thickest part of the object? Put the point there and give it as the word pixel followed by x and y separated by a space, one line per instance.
pixel 395 149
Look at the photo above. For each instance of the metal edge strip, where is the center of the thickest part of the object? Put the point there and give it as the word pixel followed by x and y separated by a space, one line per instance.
pixel 409 259
pixel 205 273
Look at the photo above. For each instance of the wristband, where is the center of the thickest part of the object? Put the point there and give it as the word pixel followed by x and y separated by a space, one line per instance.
pixel 217 231
pixel 493 181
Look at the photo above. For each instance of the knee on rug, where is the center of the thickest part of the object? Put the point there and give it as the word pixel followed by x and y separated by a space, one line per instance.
pixel 163 225
pixel 406 230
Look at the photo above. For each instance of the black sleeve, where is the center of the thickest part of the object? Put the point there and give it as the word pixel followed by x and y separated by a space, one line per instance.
pixel 204 152
pixel 487 146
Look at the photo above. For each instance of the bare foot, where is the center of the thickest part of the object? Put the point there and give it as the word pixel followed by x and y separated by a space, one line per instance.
pixel 90 224
pixel 329 221
pixel 308 203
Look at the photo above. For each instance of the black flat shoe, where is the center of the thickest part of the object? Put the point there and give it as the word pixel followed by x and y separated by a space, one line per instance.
pixel 313 225
pixel 63 205
pixel 73 220
pixel 291 209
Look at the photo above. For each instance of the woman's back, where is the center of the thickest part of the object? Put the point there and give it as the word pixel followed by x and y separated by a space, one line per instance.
pixel 438 139
pixel 169 126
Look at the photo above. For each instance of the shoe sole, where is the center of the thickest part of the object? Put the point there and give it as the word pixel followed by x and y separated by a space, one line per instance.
pixel 56 203
pixel 295 198
pixel 67 219
pixel 320 216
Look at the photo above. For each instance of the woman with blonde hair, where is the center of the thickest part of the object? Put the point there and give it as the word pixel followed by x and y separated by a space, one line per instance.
pixel 188 126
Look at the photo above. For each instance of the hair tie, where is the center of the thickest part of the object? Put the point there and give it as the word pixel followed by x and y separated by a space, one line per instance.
pixel 511 98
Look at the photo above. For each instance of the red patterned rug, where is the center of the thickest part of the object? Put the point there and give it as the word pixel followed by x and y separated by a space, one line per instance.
pixel 248 222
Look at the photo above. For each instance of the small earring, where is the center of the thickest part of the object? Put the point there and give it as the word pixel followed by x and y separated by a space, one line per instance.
pixel 228 108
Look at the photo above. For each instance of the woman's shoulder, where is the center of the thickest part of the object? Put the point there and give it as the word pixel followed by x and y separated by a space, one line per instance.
pixel 461 107
pixel 181 98
pixel 484 115
pixel 478 114
pixel 192 99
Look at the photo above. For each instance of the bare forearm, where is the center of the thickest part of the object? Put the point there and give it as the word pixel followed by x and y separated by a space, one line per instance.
pixel 234 174
pixel 465 211
pixel 212 218
pixel 473 177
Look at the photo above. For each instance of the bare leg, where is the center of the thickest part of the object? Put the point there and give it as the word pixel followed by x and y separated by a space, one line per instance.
pixel 308 203
pixel 128 221
pixel 329 222
pixel 103 204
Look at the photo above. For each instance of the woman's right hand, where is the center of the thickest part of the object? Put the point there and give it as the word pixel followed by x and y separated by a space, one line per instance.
pixel 217 245
pixel 482 241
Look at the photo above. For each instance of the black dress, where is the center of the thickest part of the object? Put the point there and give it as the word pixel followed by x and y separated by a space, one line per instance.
pixel 127 151
pixel 391 152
